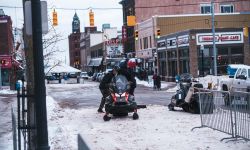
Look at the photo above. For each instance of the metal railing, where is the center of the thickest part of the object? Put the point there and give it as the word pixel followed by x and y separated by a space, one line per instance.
pixel 23 128
pixel 228 112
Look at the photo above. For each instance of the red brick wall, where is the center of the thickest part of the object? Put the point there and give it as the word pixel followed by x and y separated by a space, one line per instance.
pixel 6 38
pixel 174 7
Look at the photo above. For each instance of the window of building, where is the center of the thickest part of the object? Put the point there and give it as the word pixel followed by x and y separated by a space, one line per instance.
pixel 205 8
pixel 145 42
pixel 227 8
pixel 140 44
pixel 150 42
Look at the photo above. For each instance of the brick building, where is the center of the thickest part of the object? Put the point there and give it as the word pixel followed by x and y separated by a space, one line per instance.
pixel 229 17
pixel 6 46
pixel 145 9
pixel 128 7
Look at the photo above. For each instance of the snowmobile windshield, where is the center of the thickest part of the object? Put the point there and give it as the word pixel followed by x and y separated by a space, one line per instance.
pixel 186 77
pixel 121 83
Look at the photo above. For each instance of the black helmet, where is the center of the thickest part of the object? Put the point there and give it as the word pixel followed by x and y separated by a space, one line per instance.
pixel 123 64
pixel 116 68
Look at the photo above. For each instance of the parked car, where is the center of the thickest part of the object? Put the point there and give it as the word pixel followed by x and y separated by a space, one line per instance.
pixel 72 75
pixel 240 81
pixel 84 75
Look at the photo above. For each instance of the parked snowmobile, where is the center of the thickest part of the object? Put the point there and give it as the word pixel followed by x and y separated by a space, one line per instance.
pixel 120 102
pixel 186 96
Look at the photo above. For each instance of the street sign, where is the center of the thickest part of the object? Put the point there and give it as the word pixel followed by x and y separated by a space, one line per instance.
pixel 28 17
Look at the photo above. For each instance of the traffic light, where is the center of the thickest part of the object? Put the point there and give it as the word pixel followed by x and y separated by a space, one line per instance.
pixel 55 22
pixel 91 18
pixel 158 33
pixel 136 35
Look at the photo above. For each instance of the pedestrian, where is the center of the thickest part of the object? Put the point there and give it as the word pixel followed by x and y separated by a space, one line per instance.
pixel 154 80
pixel 158 82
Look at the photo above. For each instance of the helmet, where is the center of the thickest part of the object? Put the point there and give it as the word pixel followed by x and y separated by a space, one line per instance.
pixel 132 63
pixel 123 64
pixel 116 68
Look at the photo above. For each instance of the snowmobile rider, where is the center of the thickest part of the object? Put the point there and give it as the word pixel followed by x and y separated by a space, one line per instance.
pixel 104 84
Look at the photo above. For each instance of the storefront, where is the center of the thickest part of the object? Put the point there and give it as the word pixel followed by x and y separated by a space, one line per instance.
pixel 192 52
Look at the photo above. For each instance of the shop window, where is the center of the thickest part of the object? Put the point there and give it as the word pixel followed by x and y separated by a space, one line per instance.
pixel 223 51
pixel 140 44
pixel 172 54
pixel 183 53
pixel 145 42
pixel 150 42
pixel 205 8
pixel 236 50
pixel 227 8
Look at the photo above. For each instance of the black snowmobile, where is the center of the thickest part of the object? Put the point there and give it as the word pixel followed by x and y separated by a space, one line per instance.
pixel 186 96
pixel 120 102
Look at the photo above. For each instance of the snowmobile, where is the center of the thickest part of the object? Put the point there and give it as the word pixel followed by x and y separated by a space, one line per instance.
pixel 186 96
pixel 120 102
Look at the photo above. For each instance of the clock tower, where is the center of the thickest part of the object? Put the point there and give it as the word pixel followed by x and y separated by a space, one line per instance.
pixel 76 24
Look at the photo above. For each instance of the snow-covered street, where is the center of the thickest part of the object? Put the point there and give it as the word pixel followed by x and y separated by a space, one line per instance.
pixel 157 128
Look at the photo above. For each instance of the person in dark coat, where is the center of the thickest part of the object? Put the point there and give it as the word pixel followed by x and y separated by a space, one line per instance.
pixel 104 84
pixel 158 82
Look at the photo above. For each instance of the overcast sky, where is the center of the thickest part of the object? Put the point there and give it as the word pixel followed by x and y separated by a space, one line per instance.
pixel 112 16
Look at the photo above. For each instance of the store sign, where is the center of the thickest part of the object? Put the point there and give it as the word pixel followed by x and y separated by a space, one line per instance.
pixel 5 61
pixel 124 33
pixel 183 41
pixel 220 38
pixel 114 50
pixel 113 42
pixel 161 44
pixel 171 43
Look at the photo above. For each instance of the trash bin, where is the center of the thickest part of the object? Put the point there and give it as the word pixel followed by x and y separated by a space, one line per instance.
pixel 18 86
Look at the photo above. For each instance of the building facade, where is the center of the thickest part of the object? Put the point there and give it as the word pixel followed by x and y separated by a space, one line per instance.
pixel 6 48
pixel 145 9
pixel 191 51
pixel 74 43
pixel 128 7
pixel 197 16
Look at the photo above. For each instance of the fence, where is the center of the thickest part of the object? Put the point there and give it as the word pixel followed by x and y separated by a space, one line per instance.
pixel 228 112
pixel 22 119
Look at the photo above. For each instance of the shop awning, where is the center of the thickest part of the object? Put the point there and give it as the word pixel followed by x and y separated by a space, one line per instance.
pixel 95 62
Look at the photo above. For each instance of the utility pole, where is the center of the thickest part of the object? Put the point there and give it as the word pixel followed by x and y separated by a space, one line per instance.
pixel 214 47
pixel 29 76
pixel 40 91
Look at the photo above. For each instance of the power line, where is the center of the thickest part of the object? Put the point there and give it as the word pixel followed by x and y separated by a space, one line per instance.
pixel 186 4
pixel 116 8
pixel 64 8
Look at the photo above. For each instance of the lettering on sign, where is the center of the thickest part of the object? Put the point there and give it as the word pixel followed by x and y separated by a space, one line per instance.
pixel 220 38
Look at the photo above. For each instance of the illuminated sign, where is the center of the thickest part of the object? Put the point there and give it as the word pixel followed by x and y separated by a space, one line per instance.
pixel 5 61
pixel 220 38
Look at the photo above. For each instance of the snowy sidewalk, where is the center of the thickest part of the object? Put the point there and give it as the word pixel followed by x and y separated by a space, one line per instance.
pixel 156 129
